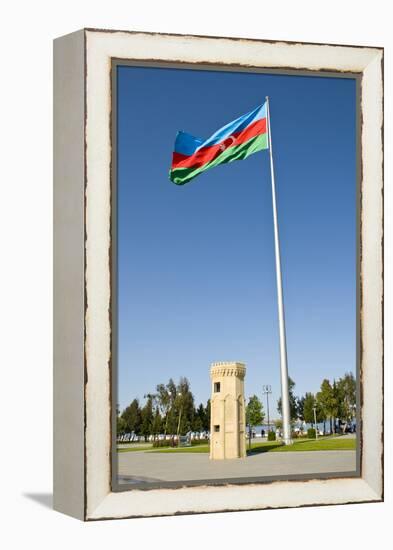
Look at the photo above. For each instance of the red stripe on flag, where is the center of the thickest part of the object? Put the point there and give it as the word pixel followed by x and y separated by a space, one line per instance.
pixel 209 153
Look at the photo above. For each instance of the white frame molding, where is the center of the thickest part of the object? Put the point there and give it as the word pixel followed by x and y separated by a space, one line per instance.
pixel 82 240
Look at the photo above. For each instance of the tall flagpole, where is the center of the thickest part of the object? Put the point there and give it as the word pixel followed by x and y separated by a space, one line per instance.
pixel 286 415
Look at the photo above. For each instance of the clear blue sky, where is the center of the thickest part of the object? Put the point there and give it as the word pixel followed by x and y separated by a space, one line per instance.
pixel 196 271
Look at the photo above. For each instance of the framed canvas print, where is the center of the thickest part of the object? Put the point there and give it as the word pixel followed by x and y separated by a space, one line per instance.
pixel 218 340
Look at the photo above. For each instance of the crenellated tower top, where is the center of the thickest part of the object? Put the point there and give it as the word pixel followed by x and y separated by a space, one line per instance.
pixel 228 368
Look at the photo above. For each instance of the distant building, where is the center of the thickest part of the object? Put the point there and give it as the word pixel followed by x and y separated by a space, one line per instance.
pixel 227 424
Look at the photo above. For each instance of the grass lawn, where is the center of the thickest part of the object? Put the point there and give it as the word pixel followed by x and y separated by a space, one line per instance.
pixel 133 449
pixel 149 447
pixel 194 449
pixel 322 444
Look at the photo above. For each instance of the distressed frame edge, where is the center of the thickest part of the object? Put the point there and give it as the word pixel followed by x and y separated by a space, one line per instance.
pixel 69 489
pixel 372 272
pixel 360 492
pixel 97 512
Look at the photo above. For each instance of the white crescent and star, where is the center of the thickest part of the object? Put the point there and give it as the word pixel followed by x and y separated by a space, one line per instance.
pixel 225 145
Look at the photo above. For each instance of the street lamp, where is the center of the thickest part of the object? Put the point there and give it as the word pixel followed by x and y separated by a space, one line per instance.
pixel 168 407
pixel 178 424
pixel 266 390
pixel 315 421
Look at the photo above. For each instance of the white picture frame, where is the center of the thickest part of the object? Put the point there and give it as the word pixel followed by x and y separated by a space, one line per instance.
pixel 82 268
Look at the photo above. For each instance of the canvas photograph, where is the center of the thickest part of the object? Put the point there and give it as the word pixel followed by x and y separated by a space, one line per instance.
pixel 218 274
pixel 235 322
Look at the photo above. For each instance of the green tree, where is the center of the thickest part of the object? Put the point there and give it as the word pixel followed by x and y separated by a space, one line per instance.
pixel 254 414
pixel 327 398
pixel 132 417
pixel 199 418
pixel 156 425
pixel 346 394
pixel 176 403
pixel 147 418
pixel 336 410
pixel 293 401
pixel 121 426
pixel 206 425
pixel 308 408
pixel 173 414
pixel 184 406
pixel 300 407
pixel 309 402
pixel 164 400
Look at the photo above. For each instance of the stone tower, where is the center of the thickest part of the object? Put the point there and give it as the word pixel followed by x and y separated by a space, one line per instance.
pixel 227 423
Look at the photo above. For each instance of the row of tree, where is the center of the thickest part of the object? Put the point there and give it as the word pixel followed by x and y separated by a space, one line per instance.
pixel 171 409
pixel 334 403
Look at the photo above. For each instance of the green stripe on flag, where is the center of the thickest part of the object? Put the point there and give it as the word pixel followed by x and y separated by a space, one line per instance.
pixel 180 176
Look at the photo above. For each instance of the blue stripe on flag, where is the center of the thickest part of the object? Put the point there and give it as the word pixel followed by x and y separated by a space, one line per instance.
pixel 186 144
pixel 236 125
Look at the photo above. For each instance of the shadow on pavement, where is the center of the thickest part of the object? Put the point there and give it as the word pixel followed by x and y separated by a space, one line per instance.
pixel 263 449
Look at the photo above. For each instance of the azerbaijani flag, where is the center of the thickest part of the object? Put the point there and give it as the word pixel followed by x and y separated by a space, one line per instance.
pixel 235 141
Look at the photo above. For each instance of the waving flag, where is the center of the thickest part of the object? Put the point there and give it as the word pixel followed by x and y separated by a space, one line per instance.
pixel 235 141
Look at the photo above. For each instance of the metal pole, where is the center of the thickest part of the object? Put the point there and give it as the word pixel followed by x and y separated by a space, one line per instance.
pixel 178 424
pixel 268 417
pixel 286 416
pixel 266 390
pixel 315 422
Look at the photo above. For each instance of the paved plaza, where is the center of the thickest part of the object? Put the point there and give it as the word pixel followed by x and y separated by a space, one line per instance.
pixel 139 467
